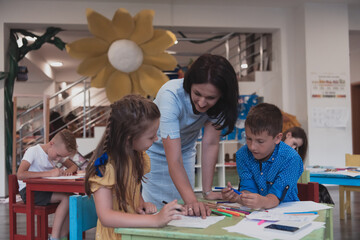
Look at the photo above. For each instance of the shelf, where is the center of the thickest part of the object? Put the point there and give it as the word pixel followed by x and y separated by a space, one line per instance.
pixel 224 171
pixel 230 164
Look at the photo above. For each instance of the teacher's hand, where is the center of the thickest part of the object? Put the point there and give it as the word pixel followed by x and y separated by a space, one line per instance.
pixel 197 209
pixel 213 196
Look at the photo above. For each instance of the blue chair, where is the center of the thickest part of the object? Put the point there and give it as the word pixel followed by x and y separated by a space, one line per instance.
pixel 82 215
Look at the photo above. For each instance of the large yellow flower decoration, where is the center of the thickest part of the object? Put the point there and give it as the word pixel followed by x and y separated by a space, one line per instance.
pixel 126 55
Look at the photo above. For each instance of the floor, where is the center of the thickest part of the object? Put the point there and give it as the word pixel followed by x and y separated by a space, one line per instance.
pixel 343 229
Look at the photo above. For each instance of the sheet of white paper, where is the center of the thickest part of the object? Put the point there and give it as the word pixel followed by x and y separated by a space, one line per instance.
pixel 234 205
pixel 195 222
pixel 250 228
pixel 65 177
pixel 298 206
pixel 275 216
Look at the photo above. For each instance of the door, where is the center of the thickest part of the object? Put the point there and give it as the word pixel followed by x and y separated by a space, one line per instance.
pixel 355 112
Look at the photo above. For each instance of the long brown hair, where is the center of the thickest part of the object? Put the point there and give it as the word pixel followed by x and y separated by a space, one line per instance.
pixel 216 70
pixel 128 119
pixel 298 132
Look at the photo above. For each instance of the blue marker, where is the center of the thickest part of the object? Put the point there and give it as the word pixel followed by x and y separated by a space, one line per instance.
pixel 231 189
pixel 310 212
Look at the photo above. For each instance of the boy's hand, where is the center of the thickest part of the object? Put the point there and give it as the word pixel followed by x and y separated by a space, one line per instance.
pixel 229 194
pixel 55 172
pixel 147 208
pixel 169 212
pixel 252 200
pixel 66 173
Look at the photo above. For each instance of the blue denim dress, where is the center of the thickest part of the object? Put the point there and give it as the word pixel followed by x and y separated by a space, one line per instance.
pixel 177 121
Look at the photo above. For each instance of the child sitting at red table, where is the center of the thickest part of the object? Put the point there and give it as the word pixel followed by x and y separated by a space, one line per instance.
pixel 118 165
pixel 39 161
pixel 268 168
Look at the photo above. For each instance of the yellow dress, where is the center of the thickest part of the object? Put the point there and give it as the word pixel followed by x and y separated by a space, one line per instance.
pixel 108 181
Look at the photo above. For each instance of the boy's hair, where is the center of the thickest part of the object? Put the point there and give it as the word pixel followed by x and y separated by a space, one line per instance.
pixel 264 117
pixel 218 71
pixel 68 139
pixel 298 132
pixel 129 118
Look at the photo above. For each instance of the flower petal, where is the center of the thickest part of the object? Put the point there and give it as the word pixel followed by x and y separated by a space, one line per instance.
pixel 100 26
pixel 162 40
pixel 87 47
pixel 118 85
pixel 91 66
pixel 123 23
pixel 164 61
pixel 151 79
pixel 136 88
pixel 99 81
pixel 144 29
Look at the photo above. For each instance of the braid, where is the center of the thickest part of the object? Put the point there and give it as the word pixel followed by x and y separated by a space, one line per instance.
pixel 107 133
pixel 128 118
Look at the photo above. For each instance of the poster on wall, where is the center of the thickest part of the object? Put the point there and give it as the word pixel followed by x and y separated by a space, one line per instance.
pixel 330 117
pixel 328 85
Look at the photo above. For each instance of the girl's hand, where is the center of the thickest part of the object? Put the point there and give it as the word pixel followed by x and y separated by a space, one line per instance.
pixel 147 208
pixel 169 212
pixel 197 209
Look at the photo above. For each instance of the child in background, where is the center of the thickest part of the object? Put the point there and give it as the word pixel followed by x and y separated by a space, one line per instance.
pixel 296 138
pixel 268 168
pixel 118 165
pixel 38 162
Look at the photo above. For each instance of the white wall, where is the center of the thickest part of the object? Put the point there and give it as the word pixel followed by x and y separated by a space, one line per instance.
pixel 354 18
pixel 29 94
pixel 327 51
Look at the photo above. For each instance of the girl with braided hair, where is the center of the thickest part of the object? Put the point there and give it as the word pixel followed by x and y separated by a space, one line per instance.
pixel 117 167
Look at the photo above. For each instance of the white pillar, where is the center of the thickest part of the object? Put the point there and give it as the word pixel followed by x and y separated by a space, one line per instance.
pixel 327 55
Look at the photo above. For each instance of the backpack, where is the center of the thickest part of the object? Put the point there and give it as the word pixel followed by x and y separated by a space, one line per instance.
pixel 324 195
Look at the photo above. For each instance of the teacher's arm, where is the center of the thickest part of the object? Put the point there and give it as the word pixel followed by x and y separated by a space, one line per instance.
pixel 210 152
pixel 179 176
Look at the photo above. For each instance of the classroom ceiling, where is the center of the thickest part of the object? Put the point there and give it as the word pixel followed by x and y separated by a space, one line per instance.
pixel 192 43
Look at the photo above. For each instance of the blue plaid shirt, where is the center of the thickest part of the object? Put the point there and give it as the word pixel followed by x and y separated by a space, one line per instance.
pixel 278 175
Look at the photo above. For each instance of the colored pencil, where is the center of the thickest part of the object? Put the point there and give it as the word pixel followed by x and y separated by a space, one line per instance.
pixel 230 212
pixel 298 213
pixel 237 210
pixel 222 213
pixel 231 189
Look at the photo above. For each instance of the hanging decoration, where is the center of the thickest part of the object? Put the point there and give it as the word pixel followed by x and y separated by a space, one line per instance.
pixel 15 54
pixel 126 54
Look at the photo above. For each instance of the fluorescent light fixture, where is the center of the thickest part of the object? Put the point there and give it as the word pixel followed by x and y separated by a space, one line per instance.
pixel 56 64
pixel 244 65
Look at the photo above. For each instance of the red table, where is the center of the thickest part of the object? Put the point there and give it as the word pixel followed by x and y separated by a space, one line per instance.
pixel 47 185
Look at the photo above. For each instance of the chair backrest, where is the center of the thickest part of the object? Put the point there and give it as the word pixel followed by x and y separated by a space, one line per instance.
pixel 352 160
pixel 308 191
pixel 82 215
pixel 13 188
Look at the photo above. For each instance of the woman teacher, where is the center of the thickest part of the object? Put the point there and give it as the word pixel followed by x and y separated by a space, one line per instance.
pixel 206 97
